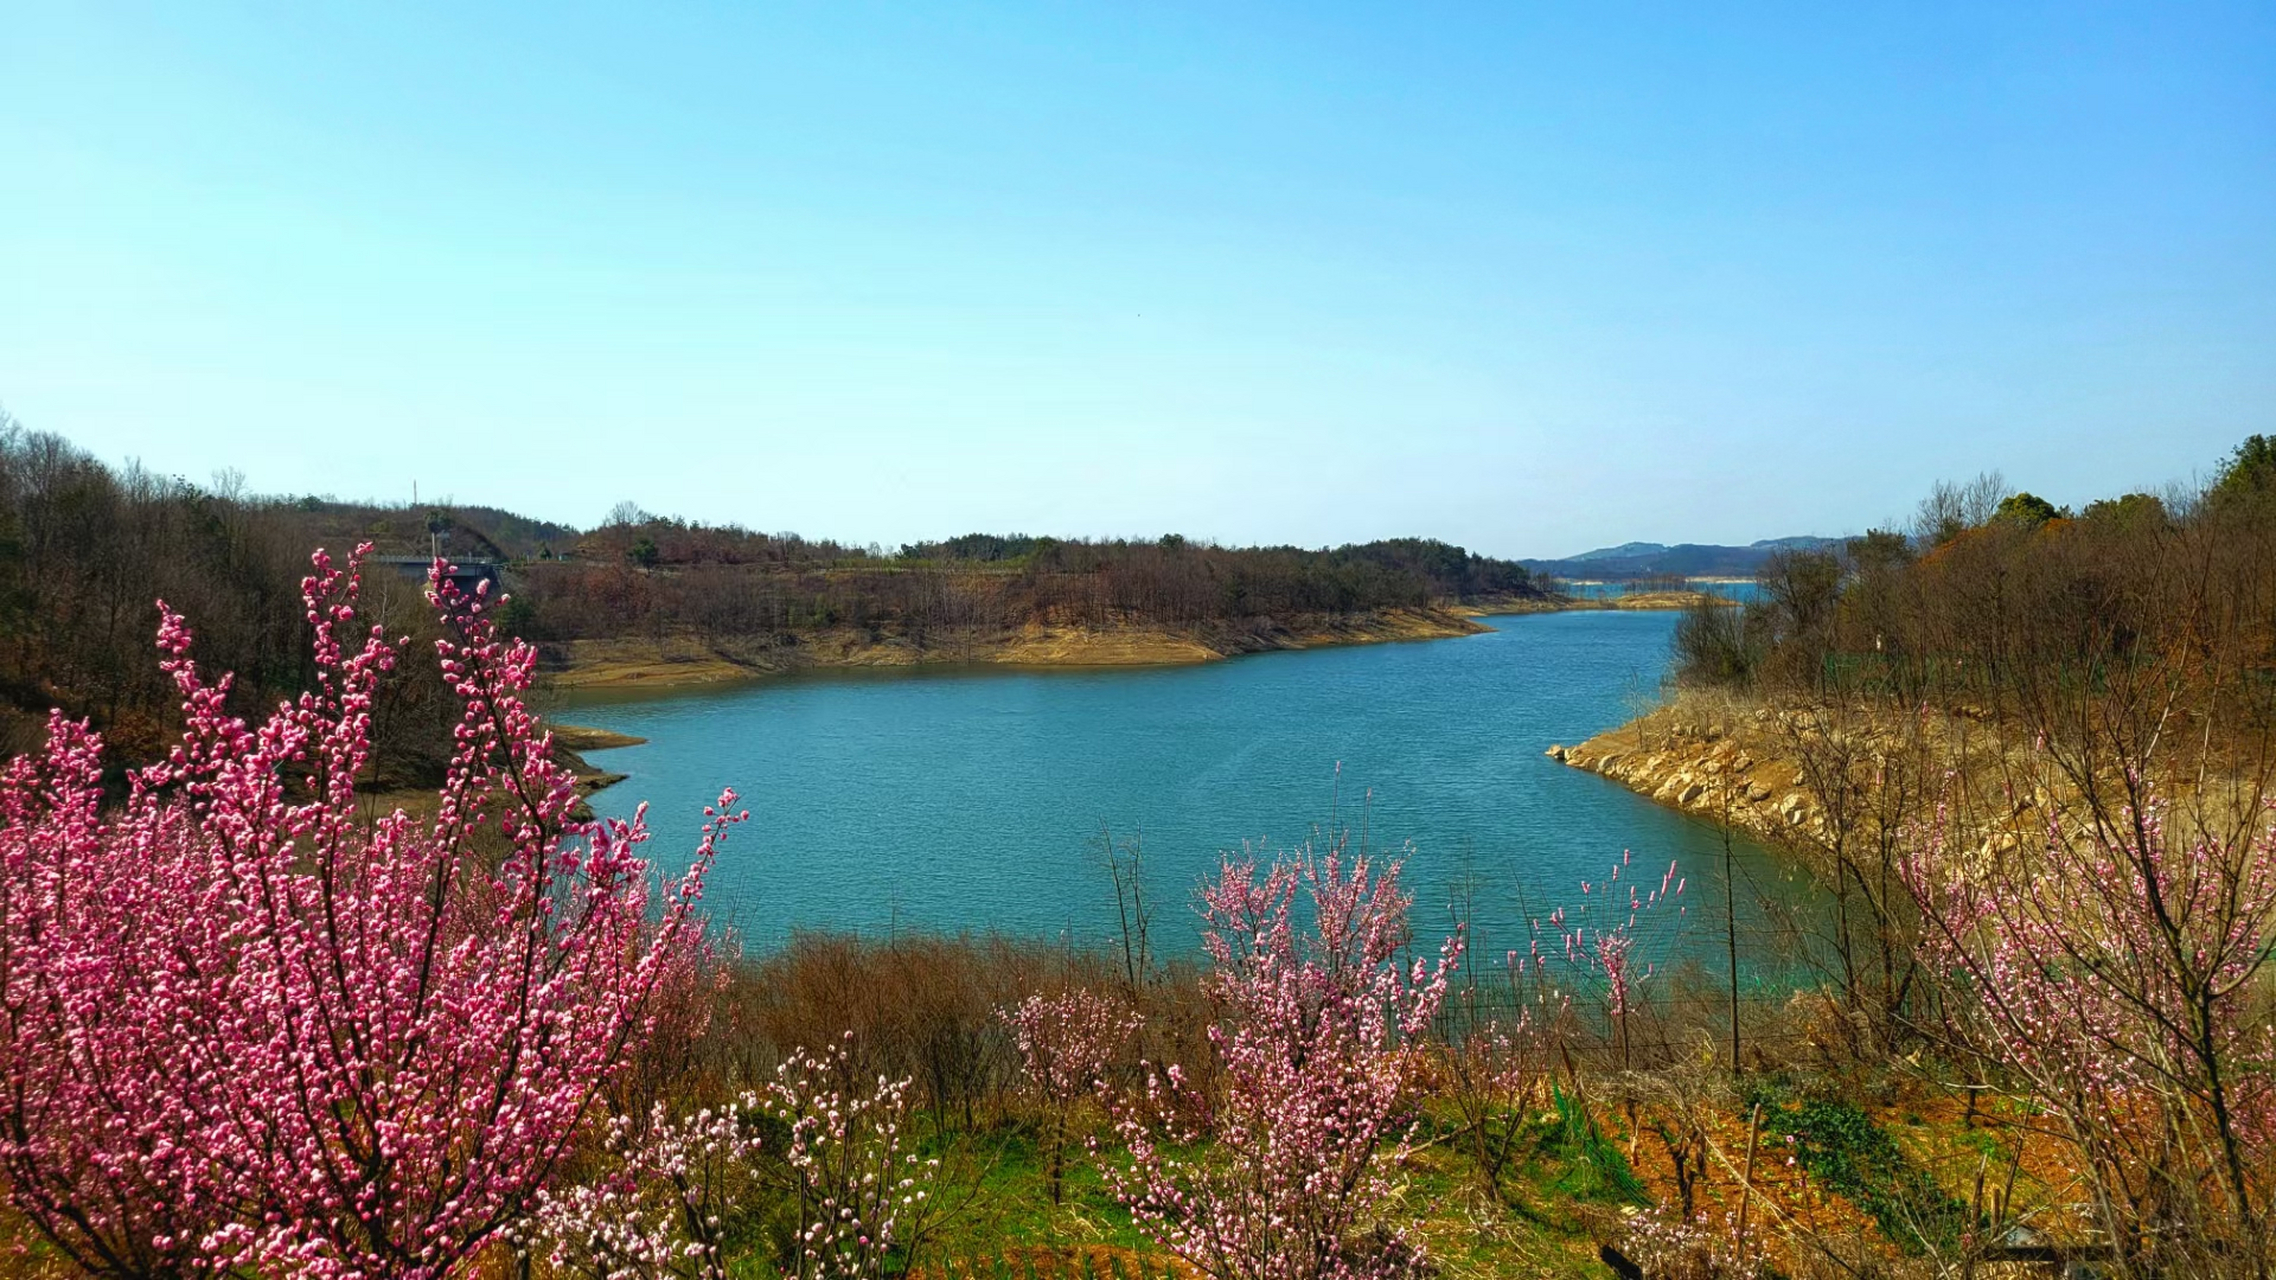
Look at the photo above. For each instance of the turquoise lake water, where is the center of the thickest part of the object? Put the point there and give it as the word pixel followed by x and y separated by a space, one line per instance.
pixel 960 800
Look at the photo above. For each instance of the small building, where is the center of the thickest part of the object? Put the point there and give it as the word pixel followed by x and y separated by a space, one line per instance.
pixel 466 575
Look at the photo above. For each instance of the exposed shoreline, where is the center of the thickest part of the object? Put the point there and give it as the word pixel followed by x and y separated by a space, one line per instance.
pixel 1748 762
pixel 1720 768
pixel 678 662
pixel 1663 600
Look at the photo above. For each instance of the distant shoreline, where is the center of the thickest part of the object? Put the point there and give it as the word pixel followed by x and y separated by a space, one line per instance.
pixel 1662 600
pixel 679 662
pixel 688 661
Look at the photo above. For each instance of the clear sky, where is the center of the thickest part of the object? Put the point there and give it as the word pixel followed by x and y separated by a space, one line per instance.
pixel 1531 278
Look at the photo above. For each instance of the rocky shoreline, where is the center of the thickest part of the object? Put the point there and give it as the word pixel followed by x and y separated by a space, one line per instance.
pixel 1712 768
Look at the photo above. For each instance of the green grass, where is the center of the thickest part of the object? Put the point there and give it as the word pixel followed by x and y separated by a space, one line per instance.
pixel 1563 1161
pixel 1596 1170
pixel 1847 1153
pixel 1013 1209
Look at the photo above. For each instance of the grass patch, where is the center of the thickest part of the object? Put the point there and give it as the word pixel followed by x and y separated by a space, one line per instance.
pixel 1847 1153
pixel 1594 1169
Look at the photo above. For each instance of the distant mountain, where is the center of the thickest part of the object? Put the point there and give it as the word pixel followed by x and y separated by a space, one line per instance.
pixel 1625 551
pixel 1687 559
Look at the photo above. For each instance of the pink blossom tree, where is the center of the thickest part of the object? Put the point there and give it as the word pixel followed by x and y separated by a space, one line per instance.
pixel 1495 1066
pixel 676 1193
pixel 667 1207
pixel 864 1197
pixel 1282 1177
pixel 2120 977
pixel 1600 938
pixel 1066 1043
pixel 102 1135
pixel 243 1028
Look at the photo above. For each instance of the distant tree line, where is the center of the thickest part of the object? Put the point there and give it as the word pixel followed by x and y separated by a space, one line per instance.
pixel 1996 597
pixel 86 549
pixel 669 577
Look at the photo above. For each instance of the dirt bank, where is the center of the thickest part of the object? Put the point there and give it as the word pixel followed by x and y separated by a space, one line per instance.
pixel 577 737
pixel 667 662
pixel 1769 768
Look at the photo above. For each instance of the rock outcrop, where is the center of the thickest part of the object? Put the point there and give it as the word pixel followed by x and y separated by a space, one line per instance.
pixel 1714 769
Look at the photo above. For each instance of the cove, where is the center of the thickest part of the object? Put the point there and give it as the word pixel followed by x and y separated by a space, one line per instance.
pixel 972 799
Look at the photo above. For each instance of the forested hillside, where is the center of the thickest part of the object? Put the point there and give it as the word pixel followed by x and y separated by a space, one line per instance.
pixel 671 576
pixel 2001 603
pixel 85 549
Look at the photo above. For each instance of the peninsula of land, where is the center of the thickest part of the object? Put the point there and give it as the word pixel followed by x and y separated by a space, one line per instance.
pixel 683 660
pixel 639 600
pixel 659 662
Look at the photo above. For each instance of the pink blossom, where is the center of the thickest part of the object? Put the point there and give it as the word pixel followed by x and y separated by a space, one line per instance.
pixel 1065 1044
pixel 245 1028
pixel 2122 975
pixel 1317 1049
pixel 1597 939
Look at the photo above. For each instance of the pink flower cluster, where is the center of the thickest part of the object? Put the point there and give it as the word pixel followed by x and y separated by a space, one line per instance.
pixel 1319 1056
pixel 679 1189
pixel 1600 935
pixel 242 1027
pixel 859 1190
pixel 664 1211
pixel 2123 974
pixel 1066 1043
pixel 1669 1246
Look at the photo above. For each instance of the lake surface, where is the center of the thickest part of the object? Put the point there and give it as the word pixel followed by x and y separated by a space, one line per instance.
pixel 972 799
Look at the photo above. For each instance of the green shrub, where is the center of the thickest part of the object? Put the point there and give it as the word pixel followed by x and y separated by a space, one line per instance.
pixel 1840 1146
pixel 1598 1170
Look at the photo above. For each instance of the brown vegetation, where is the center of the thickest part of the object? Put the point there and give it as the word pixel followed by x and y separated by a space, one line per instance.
pixel 2023 688
pixel 85 549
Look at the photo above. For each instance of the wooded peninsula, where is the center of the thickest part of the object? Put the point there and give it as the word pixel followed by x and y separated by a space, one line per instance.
pixel 86 547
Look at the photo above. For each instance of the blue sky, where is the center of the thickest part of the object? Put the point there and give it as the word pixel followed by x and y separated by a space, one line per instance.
pixel 1530 278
